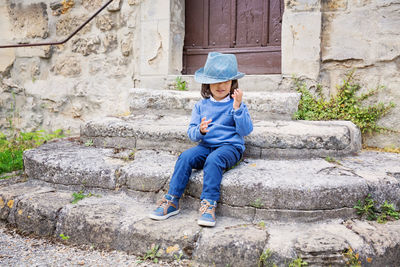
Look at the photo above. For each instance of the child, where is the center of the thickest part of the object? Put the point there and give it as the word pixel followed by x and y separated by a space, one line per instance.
pixel 219 123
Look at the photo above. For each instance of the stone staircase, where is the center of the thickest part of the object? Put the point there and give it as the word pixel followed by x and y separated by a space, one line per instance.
pixel 284 196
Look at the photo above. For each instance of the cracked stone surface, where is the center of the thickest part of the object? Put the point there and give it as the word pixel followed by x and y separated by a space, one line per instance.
pixel 255 189
pixel 270 139
pixel 261 105
pixel 118 221
pixel 71 163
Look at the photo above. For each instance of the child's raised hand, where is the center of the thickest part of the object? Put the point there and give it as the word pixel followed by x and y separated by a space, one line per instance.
pixel 237 98
pixel 204 125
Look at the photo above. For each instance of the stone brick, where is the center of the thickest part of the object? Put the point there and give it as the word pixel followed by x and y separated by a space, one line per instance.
pixel 29 20
pixel 105 22
pixel 69 23
pixel 86 46
pixel 68 66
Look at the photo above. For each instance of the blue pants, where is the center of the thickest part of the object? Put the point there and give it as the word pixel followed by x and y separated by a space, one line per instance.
pixel 213 161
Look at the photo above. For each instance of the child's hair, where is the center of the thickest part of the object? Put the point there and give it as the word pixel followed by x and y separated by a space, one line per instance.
pixel 206 92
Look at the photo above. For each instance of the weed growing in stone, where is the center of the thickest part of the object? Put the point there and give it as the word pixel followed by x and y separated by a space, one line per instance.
pixel 299 262
pixel 332 160
pixel 180 85
pixel 89 142
pixel 367 208
pixel 265 259
pixel 178 257
pixel 346 105
pixel 257 204
pixel 387 213
pixel 152 254
pixel 261 224
pixel 64 237
pixel 352 259
pixel 13 146
pixel 79 196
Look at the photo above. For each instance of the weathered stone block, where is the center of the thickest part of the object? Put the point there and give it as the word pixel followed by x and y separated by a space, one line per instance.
pixel 302 5
pixel 9 197
pixel 301 43
pixel 7 58
pixel 86 46
pixel 67 66
pixel 149 171
pixel 114 6
pixel 68 23
pixel 43 52
pixel 92 5
pixel 69 163
pixel 279 185
pixel 29 20
pixel 334 5
pixel 239 245
pixel 155 10
pixel 38 213
pixel 153 47
pixel 110 42
pixel 105 22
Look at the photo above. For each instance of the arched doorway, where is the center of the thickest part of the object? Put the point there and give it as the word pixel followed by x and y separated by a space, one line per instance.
pixel 250 29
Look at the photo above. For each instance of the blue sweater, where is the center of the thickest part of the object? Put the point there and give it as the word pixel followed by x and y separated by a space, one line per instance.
pixel 227 126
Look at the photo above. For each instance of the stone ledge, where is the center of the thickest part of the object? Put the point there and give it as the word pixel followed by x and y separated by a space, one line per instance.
pixel 269 139
pixel 272 189
pixel 119 222
pixel 265 105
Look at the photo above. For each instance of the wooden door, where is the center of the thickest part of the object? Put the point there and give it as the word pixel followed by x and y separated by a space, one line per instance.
pixel 250 29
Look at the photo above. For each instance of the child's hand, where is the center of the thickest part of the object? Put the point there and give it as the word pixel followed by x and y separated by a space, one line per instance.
pixel 204 125
pixel 237 98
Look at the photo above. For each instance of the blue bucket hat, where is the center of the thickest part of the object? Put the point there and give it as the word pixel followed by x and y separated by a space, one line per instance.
pixel 218 68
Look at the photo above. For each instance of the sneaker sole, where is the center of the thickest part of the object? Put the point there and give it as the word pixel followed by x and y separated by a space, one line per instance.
pixel 205 223
pixel 164 217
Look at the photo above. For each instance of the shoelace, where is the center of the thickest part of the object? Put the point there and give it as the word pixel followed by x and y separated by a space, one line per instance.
pixel 164 202
pixel 205 206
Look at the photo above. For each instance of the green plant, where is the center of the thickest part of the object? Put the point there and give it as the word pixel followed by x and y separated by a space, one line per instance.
pixel 332 160
pixel 152 254
pixel 64 237
pixel 79 196
pixel 299 262
pixel 387 212
pixel 180 85
pixel 261 224
pixel 178 258
pixel 89 142
pixel 367 208
pixel 13 146
pixel 346 105
pixel 352 259
pixel 265 259
pixel 257 204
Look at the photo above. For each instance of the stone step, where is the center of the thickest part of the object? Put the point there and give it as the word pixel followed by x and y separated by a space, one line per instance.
pixel 265 83
pixel 269 139
pixel 120 221
pixel 261 105
pixel 284 190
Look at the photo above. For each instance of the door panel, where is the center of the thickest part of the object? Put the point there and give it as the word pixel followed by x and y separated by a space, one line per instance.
pixel 250 29
pixel 220 23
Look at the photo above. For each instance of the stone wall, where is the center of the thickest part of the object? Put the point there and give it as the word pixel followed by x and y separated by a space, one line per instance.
pixel 325 39
pixel 138 43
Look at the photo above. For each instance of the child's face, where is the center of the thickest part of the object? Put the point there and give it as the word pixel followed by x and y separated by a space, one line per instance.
pixel 220 90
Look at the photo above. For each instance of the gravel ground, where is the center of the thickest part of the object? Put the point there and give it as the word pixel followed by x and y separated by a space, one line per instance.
pixel 18 250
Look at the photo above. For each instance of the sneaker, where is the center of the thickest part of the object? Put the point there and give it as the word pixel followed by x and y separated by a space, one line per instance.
pixel 207 212
pixel 167 206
